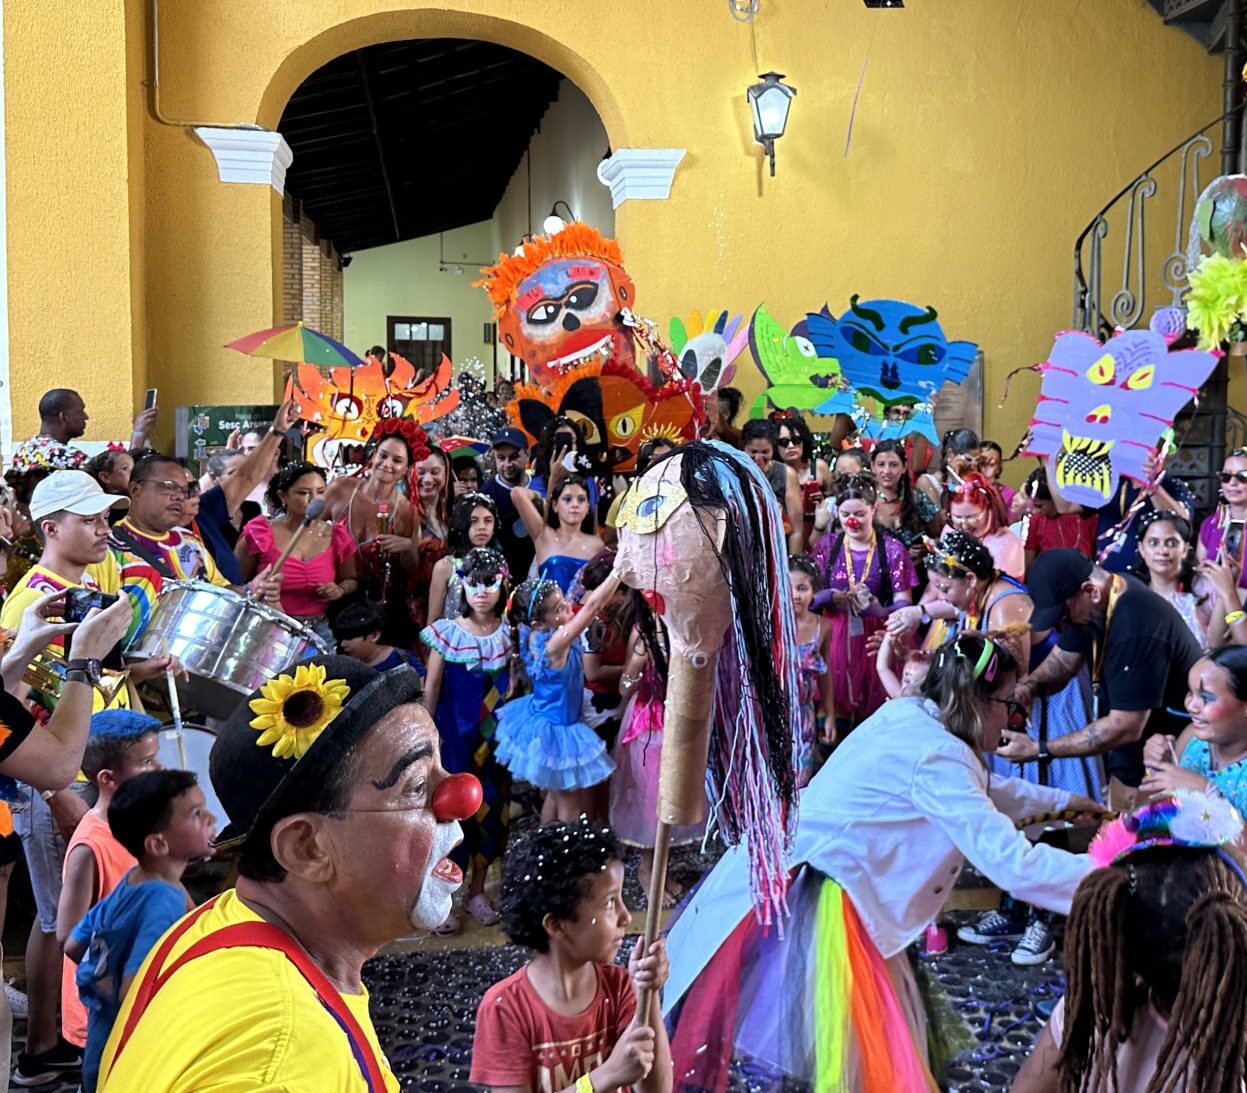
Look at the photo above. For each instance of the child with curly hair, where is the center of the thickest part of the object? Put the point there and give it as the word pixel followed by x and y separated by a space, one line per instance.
pixel 542 737
pixel 563 1023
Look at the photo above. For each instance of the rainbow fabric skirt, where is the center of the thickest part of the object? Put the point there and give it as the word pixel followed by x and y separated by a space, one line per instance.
pixel 819 1004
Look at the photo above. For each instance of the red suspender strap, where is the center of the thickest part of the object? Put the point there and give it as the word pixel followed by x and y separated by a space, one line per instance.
pixel 259 935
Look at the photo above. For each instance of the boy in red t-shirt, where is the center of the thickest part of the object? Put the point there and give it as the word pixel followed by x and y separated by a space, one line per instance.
pixel 563 1022
pixel 121 744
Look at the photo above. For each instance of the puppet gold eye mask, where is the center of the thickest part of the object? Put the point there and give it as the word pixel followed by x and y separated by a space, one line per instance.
pixel 648 505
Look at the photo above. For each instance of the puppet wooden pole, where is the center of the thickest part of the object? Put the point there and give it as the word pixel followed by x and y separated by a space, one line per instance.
pixel 681 781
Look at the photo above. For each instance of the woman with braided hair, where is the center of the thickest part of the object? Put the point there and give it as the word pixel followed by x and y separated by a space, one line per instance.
pixel 1155 959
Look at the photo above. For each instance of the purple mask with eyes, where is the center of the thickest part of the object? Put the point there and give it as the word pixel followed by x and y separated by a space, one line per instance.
pixel 1103 407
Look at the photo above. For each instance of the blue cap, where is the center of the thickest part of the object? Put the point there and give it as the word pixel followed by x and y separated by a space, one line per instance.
pixel 511 436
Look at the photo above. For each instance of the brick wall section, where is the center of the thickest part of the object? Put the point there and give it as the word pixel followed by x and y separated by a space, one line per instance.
pixel 291 261
pixel 311 273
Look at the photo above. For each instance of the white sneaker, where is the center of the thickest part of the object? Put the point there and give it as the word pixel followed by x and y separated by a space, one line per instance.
pixel 1037 944
pixel 16 999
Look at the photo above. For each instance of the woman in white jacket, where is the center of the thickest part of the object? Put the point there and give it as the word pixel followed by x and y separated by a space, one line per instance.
pixel 885 828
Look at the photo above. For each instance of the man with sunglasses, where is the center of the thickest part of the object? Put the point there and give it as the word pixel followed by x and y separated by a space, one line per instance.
pixel 1139 651
pixel 151 545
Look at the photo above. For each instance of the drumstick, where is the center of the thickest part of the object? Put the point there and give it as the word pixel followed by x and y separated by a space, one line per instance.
pixel 314 511
pixel 175 708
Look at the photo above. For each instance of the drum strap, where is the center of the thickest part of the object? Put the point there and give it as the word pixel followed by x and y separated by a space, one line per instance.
pixel 160 565
pixel 259 935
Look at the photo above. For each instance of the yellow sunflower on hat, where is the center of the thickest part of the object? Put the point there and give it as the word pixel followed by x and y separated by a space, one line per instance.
pixel 292 711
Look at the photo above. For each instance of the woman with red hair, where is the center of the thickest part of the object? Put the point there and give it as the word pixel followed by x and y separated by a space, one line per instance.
pixel 973 505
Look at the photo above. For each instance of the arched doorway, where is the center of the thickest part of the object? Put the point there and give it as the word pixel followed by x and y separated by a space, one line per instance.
pixel 415 162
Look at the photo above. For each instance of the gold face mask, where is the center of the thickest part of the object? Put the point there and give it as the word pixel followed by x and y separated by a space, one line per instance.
pixel 649 504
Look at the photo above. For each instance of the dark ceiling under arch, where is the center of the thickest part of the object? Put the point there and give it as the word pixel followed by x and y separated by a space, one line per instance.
pixel 411 138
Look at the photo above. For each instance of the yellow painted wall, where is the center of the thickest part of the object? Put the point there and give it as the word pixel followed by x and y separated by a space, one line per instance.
pixel 988 133
pixel 405 279
pixel 75 174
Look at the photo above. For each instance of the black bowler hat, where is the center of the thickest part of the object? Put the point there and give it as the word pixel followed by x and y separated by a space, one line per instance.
pixel 1055 576
pixel 294 731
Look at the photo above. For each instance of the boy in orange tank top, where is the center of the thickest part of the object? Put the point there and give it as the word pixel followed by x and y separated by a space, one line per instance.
pixel 122 743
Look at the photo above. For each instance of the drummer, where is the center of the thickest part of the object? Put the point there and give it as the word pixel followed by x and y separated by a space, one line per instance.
pixel 150 545
pixel 69 510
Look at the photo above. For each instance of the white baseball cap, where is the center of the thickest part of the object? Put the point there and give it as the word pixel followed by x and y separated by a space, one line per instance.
pixel 72 491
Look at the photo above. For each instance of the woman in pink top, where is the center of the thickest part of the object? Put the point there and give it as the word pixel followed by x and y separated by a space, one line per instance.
pixel 321 568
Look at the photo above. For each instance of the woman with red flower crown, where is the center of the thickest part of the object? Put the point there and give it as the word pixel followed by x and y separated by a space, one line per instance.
pixel 380 506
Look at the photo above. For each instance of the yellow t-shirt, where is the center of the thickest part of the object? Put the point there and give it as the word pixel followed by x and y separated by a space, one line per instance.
pixel 39 581
pixel 236 1021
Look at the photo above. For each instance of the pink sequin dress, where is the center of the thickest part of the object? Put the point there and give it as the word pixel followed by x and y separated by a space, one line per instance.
pixel 855 684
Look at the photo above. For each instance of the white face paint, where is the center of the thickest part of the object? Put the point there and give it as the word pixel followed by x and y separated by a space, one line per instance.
pixel 441 878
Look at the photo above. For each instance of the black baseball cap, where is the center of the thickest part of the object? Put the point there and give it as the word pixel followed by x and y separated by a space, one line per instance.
pixel 1055 576
pixel 256 785
pixel 512 436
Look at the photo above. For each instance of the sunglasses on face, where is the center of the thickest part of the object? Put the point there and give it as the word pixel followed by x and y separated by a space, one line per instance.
pixel 966 521
pixel 788 442
pixel 1232 476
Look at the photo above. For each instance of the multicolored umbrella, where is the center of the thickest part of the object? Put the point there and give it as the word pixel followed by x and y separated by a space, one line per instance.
pixel 296 342
pixel 461 447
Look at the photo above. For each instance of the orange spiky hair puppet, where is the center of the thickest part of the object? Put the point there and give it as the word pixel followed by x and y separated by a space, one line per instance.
pixel 558 300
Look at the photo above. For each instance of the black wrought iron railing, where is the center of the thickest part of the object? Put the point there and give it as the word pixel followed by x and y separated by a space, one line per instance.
pixel 1118 233
pixel 1117 238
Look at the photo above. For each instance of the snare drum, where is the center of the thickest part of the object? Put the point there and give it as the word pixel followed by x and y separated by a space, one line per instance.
pixel 228 644
pixel 196 743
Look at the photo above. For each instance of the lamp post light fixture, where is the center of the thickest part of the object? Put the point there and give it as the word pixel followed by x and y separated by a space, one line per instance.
pixel 769 102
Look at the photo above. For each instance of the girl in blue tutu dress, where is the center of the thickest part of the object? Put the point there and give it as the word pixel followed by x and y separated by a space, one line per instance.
pixel 541 737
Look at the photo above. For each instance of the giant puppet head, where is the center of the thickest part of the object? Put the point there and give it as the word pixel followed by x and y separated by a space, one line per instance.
pixel 616 407
pixel 348 403
pixel 894 353
pixel 1104 406
pixel 701 536
pixel 558 300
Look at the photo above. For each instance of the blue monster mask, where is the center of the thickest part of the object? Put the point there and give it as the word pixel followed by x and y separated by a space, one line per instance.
pixel 891 351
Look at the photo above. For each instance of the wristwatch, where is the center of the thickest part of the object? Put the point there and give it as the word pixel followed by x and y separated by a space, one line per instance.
pixel 90 670
pixel 924 618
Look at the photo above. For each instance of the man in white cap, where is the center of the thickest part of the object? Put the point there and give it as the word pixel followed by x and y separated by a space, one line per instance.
pixel 69 511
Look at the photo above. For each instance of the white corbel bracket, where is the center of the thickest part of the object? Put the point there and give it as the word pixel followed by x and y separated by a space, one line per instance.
pixel 643 174
pixel 257 157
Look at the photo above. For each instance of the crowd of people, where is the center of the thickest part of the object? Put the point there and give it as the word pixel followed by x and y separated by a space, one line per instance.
pixel 473 632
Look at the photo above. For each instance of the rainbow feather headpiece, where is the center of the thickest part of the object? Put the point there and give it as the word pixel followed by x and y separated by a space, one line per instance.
pixel 1186 818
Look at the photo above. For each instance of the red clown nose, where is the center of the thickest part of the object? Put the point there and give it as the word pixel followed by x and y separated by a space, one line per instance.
pixel 852 523
pixel 457 797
